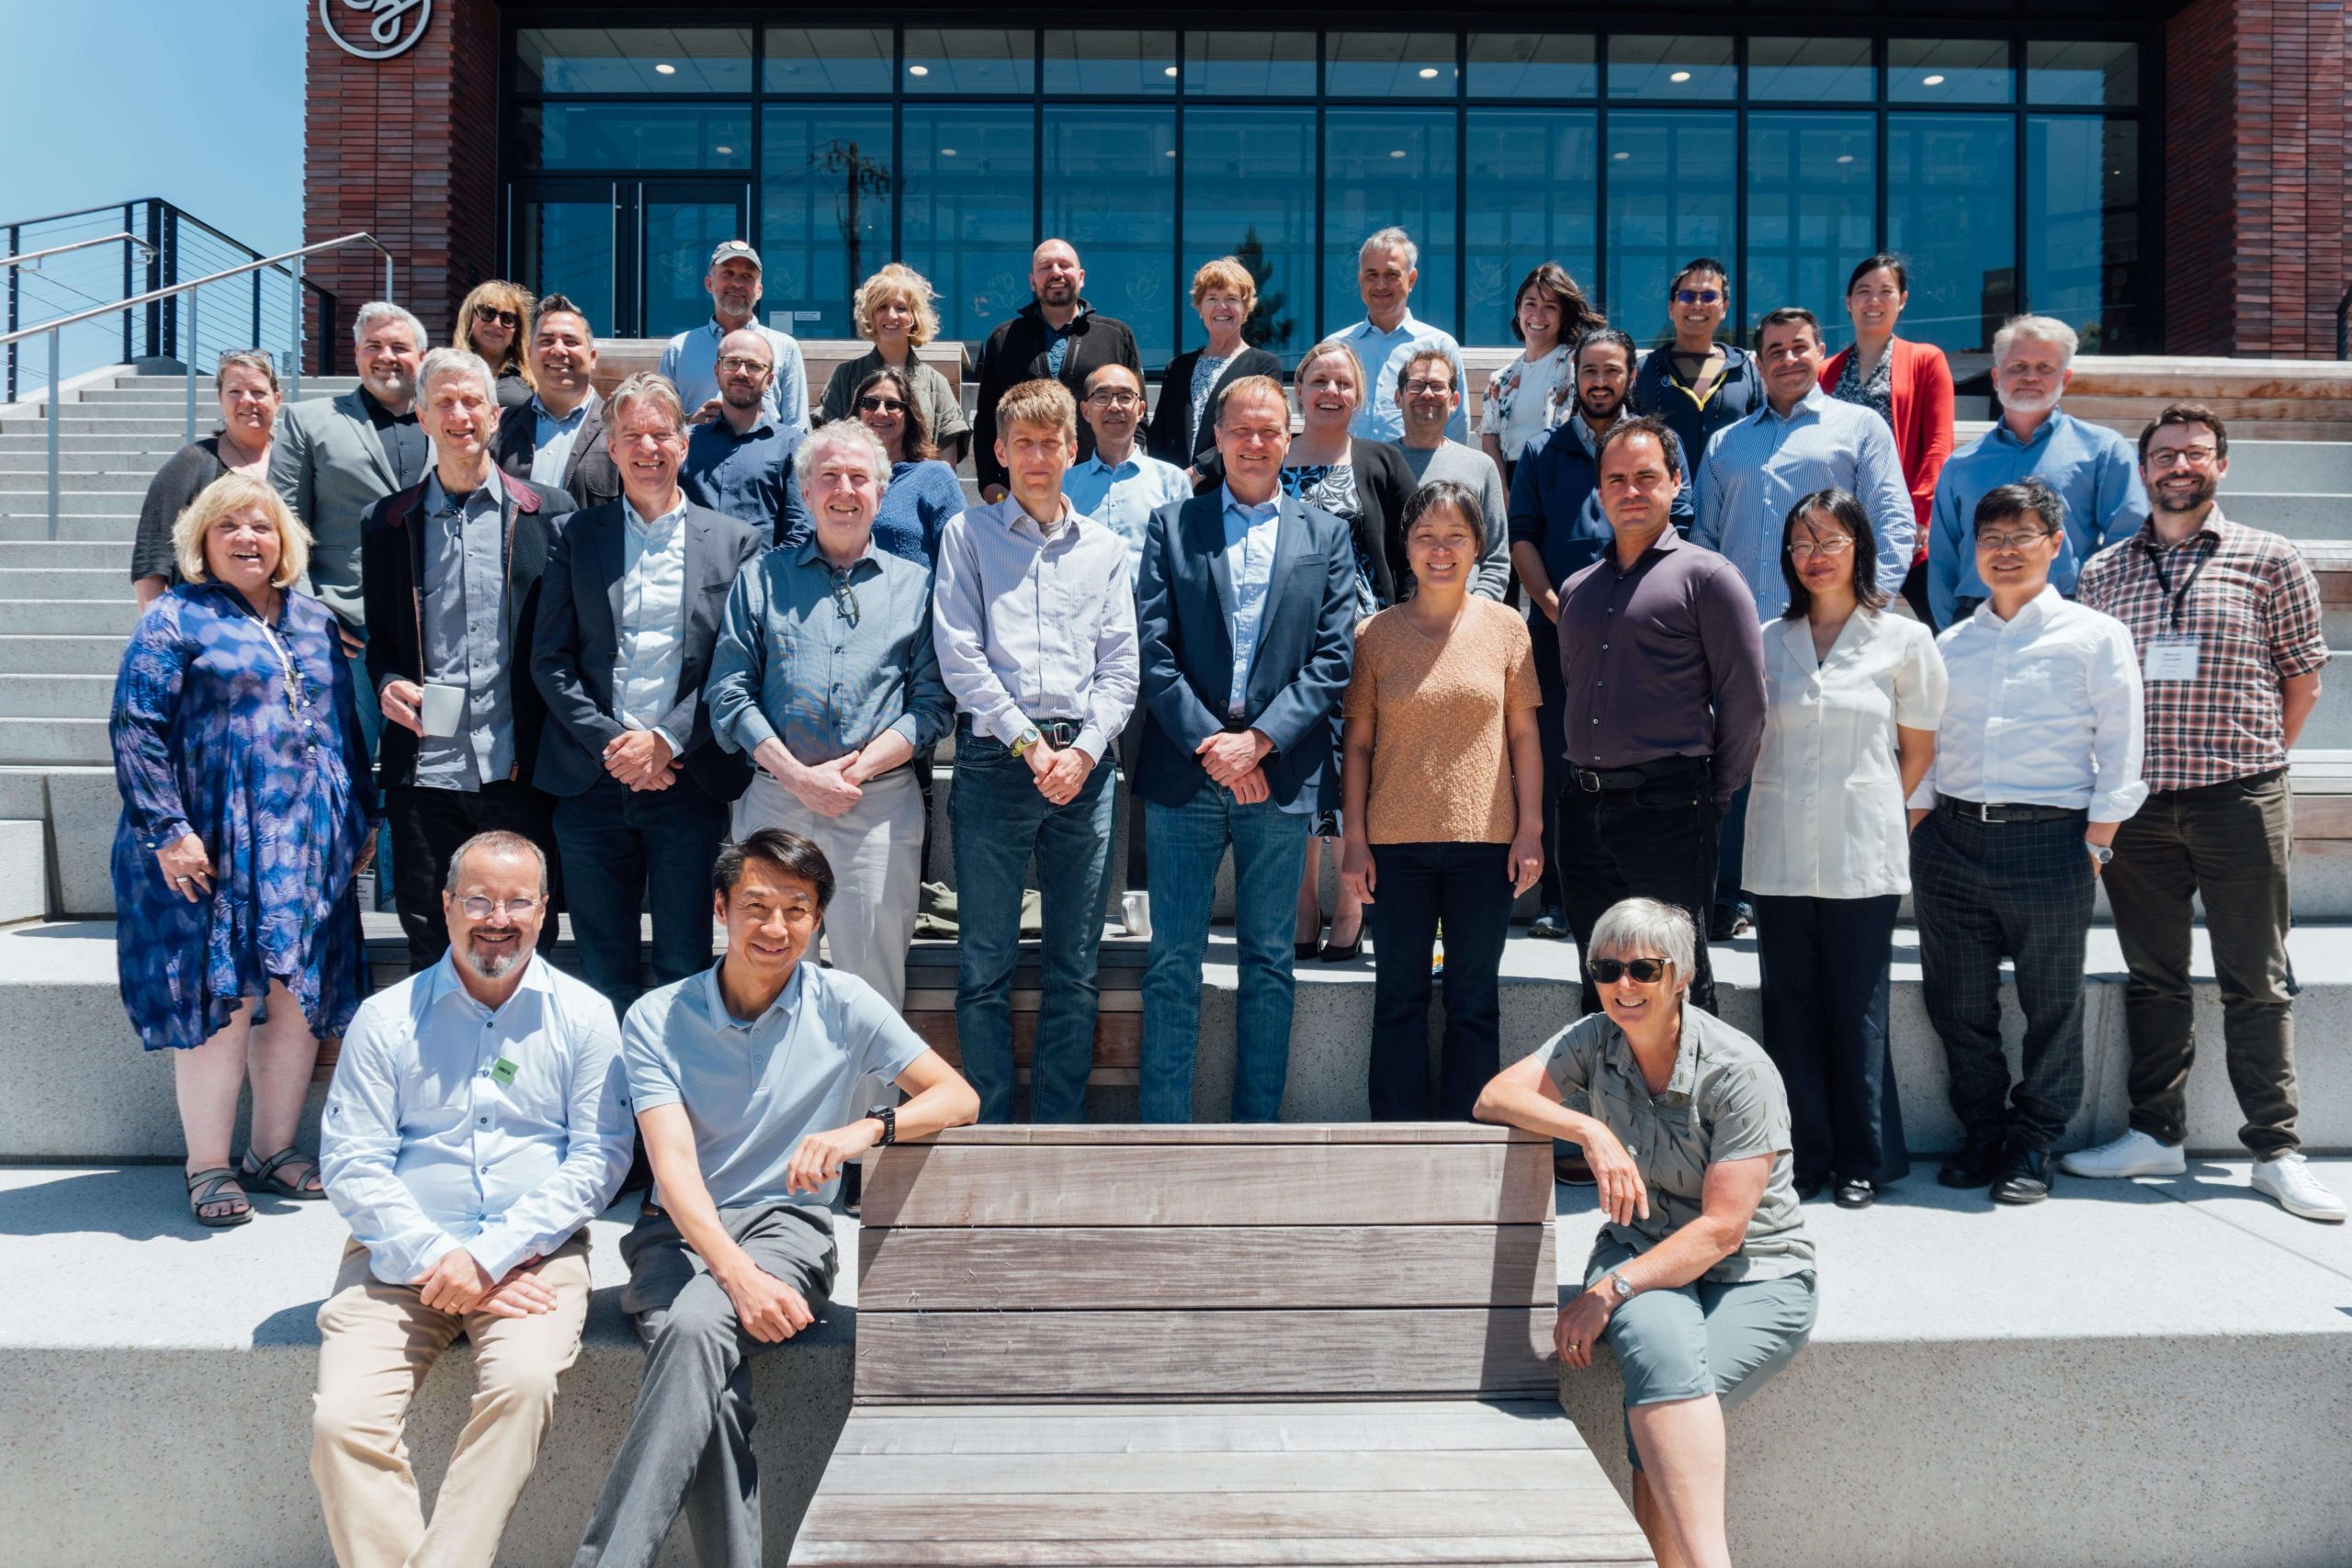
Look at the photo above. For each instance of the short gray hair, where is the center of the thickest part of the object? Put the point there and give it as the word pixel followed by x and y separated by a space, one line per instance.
pixel 645 387
pixel 1427 348
pixel 1637 927
pixel 847 437
pixel 1392 239
pixel 377 310
pixel 497 842
pixel 2035 329
pixel 444 363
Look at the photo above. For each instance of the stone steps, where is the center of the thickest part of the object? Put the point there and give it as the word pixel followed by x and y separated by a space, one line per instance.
pixel 45 740
pixel 56 696
pixel 111 555
pixel 64 655
pixel 58 583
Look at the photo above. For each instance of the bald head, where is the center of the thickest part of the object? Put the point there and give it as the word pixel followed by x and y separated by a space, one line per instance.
pixel 1056 278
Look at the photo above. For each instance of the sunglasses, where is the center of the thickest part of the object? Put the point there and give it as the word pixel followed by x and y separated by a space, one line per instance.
pixel 507 318
pixel 1645 970
pixel 1696 295
pixel 880 405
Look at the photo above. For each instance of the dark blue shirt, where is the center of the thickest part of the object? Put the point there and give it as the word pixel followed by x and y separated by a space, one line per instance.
pixel 742 476
pixel 1556 504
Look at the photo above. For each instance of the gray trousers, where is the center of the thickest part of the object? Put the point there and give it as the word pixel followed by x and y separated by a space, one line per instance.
pixel 689 1441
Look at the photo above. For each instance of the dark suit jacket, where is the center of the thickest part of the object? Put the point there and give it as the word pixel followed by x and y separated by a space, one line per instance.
pixel 1164 438
pixel 590 476
pixel 391 555
pixel 578 639
pixel 1305 648
pixel 1385 483
pixel 1016 351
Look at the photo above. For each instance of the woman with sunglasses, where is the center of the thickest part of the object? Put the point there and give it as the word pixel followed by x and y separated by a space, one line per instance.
pixel 495 323
pixel 1909 386
pixel 1702 1280
pixel 1853 694
pixel 894 310
pixel 1693 383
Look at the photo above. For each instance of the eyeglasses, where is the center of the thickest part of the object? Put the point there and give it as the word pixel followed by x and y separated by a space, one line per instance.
pixel 510 320
pixel 1423 388
pixel 1835 544
pixel 845 598
pixel 743 362
pixel 2012 541
pixel 1645 970
pixel 1113 400
pixel 481 909
pixel 1696 295
pixel 2183 457
pixel 870 404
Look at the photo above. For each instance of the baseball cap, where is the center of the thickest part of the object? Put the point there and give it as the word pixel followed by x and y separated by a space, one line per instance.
pixel 732 249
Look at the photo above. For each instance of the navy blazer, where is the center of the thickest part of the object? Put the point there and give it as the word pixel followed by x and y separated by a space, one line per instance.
pixel 577 642
pixel 1305 648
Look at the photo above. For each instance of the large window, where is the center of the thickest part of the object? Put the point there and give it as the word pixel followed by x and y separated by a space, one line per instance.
pixel 1671 198
pixel 1110 189
pixel 828 183
pixel 1531 178
pixel 967 217
pixel 1951 211
pixel 1249 194
pixel 2082 255
pixel 1812 213
pixel 1386 168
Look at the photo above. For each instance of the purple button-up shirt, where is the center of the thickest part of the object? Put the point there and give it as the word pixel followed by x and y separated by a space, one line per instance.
pixel 1664 660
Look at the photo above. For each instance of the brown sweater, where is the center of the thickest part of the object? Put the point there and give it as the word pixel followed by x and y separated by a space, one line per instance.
pixel 1440 762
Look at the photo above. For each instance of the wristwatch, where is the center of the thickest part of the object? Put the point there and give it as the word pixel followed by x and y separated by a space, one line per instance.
pixel 1027 738
pixel 1622 1285
pixel 2100 853
pixel 888 1116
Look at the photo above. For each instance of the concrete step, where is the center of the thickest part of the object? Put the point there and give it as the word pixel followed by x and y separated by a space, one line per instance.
pixel 170 391
pixel 75 421
pixel 18 469
pixel 65 655
pixel 35 529
pixel 111 555
pixel 2302 468
pixel 24 870
pixel 34 742
pixel 116 501
pixel 36 443
pixel 50 695
pixel 78 805
pixel 71 616
pixel 2330 726
pixel 62 582
pixel 2298 516
pixel 121 477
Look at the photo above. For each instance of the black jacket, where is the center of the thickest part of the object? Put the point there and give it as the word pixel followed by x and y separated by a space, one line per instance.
pixel 590 476
pixel 577 640
pixel 1016 353
pixel 1165 437
pixel 391 565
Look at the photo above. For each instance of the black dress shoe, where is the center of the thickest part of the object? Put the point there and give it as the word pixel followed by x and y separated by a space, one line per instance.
pixel 1855 1195
pixel 1809 1189
pixel 1572 1169
pixel 2025 1176
pixel 1976 1165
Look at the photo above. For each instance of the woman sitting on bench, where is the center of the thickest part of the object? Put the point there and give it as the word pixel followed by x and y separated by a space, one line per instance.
pixel 1702 1280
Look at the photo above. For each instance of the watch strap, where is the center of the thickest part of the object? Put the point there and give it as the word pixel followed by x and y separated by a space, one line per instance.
pixel 888 1116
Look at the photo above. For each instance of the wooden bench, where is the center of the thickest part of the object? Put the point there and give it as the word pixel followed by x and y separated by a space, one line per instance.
pixel 1211 1345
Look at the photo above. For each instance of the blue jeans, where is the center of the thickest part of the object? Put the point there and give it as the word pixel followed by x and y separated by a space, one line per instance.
pixel 617 843
pixel 1184 844
pixel 999 821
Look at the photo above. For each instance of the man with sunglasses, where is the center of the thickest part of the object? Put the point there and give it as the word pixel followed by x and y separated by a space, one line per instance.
pixel 741 463
pixel 2037 765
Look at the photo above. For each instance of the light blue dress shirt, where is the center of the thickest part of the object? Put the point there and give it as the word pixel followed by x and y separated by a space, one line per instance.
pixel 1122 497
pixel 2094 471
pixel 1379 418
pixel 753 1089
pixel 691 362
pixel 652 651
pixel 462 619
pixel 552 439
pixel 1757 470
pixel 1250 537
pixel 451 1125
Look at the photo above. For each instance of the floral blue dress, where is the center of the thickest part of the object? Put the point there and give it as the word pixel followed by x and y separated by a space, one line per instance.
pixel 243 735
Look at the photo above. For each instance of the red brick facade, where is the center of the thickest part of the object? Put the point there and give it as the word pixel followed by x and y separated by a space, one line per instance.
pixel 406 149
pixel 2257 232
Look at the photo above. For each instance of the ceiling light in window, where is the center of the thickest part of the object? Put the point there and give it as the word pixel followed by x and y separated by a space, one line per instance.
pixel 1396 152
pixel 723 151
pixel 1168 71
pixel 1429 73
pixel 1845 157
pixel 917 69
pixel 1937 81
pixel 947 152
pixel 1619 157
pixel 666 69
pixel 1679 76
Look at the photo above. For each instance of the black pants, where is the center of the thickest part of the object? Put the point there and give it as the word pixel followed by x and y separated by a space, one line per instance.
pixel 1551 722
pixel 619 846
pixel 1415 886
pixel 428 826
pixel 1653 841
pixel 2017 890
pixel 1826 963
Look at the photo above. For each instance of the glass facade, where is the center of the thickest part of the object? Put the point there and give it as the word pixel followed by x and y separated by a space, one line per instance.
pixel 2005 168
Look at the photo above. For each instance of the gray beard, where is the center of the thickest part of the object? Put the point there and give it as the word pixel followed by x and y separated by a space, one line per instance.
pixel 490 968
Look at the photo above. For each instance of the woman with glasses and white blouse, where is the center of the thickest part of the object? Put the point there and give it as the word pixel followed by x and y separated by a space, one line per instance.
pixel 1853 693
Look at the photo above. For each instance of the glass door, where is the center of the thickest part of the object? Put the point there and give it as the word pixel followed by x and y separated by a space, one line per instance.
pixel 681 222
pixel 565 238
pixel 631 252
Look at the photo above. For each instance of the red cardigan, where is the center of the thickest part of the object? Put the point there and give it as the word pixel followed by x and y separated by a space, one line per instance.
pixel 1920 380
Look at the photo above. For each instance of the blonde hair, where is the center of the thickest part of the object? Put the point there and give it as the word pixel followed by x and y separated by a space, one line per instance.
pixel 234 492
pixel 1226 272
pixel 644 387
pixel 1041 404
pixel 1328 347
pixel 901 282
pixel 499 295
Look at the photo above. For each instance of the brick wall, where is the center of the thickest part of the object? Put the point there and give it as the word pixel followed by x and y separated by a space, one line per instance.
pixel 2259 234
pixel 406 149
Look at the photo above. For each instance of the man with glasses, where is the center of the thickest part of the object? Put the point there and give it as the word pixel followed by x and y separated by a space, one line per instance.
pixel 690 361
pixel 824 679
pixel 2088 466
pixel 556 437
pixel 1035 623
pixel 741 463
pixel 479 1118
pixel 1057 336
pixel 2226 619
pixel 1427 390
pixel 2037 765
pixel 1121 485
pixel 628 611
pixel 1387 266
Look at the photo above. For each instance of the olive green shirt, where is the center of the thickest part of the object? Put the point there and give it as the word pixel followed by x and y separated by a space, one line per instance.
pixel 1724 1101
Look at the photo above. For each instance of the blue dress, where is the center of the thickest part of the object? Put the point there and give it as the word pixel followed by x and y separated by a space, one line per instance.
pixel 213 735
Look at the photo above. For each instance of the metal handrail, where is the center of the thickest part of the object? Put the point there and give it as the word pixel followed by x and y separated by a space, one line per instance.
pixel 80 246
pixel 56 329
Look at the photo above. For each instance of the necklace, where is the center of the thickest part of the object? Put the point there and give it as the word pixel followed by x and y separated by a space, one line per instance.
pixel 297 695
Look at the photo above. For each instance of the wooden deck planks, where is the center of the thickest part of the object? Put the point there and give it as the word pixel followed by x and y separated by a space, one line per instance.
pixel 1452 1426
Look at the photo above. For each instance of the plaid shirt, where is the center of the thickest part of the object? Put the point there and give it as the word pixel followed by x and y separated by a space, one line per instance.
pixel 2254 609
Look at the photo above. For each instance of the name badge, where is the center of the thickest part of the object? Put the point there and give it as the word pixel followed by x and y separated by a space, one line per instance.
pixel 504 1071
pixel 2171 659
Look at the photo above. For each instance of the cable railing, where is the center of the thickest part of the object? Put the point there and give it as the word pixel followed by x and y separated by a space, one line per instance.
pixel 186 304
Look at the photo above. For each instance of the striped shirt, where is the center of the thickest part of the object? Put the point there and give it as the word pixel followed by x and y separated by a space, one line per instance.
pixel 2252 607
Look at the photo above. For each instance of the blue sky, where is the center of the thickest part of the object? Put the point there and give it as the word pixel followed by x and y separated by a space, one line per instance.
pixel 196 101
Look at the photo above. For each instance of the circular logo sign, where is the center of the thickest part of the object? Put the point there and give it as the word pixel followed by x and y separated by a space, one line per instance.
pixel 393 27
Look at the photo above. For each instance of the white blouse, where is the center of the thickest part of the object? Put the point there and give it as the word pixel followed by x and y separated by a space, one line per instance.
pixel 1825 810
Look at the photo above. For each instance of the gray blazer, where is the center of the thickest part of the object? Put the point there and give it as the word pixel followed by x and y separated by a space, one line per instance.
pixel 327 462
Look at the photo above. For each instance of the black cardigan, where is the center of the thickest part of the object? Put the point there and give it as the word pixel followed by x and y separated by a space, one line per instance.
pixel 179 481
pixel 1164 438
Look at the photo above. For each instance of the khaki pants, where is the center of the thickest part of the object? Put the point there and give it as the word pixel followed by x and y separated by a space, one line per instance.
pixel 378 1342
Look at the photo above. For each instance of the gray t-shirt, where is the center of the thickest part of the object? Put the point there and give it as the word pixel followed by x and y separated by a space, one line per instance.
pixel 754 1089
pixel 1724 1101
pixel 1469 466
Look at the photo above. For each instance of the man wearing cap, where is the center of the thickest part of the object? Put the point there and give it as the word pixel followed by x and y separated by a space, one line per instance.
pixel 691 360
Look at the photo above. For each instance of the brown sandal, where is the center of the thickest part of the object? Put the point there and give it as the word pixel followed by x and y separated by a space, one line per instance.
pixel 264 1172
pixel 212 1182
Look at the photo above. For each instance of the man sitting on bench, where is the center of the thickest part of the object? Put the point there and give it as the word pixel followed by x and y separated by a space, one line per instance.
pixel 744 1077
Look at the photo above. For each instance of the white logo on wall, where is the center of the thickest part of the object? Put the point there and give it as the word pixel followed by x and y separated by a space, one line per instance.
pixel 393 26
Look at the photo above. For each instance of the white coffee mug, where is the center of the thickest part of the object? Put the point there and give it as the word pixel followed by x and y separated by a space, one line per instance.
pixel 442 708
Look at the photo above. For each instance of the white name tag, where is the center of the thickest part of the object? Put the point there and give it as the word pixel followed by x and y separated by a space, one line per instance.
pixel 2171 659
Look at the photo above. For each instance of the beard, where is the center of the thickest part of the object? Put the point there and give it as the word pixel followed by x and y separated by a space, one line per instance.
pixel 1593 415
pixel 1060 291
pixel 2030 405
pixel 491 967
pixel 2202 493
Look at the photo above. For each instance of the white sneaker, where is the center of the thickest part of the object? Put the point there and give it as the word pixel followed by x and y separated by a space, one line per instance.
pixel 2134 1154
pixel 2289 1182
